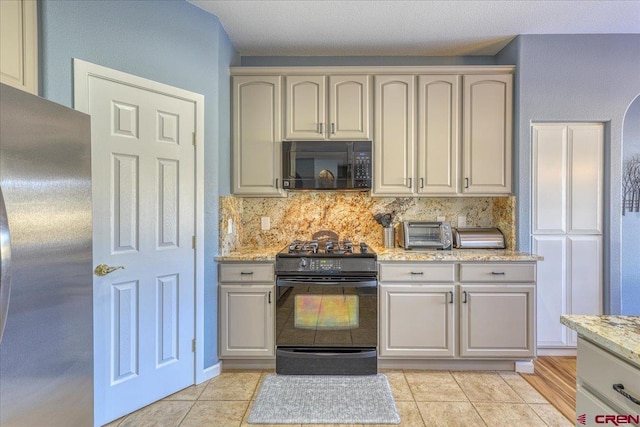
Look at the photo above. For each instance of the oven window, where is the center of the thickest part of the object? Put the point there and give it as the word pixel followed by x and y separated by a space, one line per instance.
pixel 326 312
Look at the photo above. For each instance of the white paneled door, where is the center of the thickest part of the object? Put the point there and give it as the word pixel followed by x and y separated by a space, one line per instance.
pixel 143 219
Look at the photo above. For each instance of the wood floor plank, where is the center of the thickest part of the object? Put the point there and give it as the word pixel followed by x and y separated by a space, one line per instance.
pixel 554 377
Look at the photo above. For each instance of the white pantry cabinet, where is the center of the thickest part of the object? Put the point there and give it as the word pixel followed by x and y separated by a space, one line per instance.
pixel 566 229
pixel 308 115
pixel 487 133
pixel 19 44
pixel 247 310
pixel 257 136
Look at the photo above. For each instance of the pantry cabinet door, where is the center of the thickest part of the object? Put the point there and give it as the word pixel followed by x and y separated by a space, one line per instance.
pixel 305 107
pixel 487 134
pixel 438 124
pixel 349 107
pixel 585 155
pixel 394 135
pixel 549 170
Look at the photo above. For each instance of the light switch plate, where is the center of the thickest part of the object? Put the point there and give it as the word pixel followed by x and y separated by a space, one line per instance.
pixel 265 223
pixel 462 221
pixel 230 226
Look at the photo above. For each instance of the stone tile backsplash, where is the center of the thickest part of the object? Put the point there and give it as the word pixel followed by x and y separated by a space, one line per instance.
pixel 350 215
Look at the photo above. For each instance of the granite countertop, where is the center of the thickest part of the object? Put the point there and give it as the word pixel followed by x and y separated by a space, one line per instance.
pixel 618 334
pixel 397 254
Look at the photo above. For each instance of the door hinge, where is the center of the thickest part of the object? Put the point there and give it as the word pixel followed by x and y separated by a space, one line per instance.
pixel 193 345
pixel 195 138
pixel 193 242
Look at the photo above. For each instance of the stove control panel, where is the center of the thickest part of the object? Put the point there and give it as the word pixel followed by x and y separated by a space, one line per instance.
pixel 324 264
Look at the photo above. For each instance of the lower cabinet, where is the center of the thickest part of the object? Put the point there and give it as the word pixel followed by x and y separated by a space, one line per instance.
pixel 426 317
pixel 247 310
pixel 497 320
pixel 417 320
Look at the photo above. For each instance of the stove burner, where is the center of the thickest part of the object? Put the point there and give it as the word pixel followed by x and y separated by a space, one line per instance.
pixel 329 247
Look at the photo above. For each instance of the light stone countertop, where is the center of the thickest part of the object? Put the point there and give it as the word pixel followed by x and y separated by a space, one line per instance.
pixel 398 254
pixel 618 334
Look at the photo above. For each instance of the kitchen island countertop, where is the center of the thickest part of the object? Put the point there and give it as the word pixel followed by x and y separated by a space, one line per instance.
pixel 397 254
pixel 618 334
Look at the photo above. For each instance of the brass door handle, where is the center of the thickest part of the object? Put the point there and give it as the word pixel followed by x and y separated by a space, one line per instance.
pixel 104 269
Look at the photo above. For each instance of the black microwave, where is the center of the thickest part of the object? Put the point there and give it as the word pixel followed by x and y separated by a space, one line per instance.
pixel 326 165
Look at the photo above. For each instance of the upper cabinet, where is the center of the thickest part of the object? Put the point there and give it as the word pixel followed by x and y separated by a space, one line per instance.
pixel 394 136
pixel 19 44
pixel 308 115
pixel 487 129
pixel 257 135
pixel 438 134
pixel 436 131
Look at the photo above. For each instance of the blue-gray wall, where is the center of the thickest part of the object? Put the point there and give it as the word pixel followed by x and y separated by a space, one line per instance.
pixel 169 41
pixel 590 78
pixel 631 221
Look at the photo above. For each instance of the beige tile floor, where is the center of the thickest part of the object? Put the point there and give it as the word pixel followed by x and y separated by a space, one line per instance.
pixel 423 398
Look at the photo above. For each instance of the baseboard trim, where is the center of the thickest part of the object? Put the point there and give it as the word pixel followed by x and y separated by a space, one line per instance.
pixel 524 367
pixel 444 365
pixel 248 364
pixel 211 372
pixel 557 351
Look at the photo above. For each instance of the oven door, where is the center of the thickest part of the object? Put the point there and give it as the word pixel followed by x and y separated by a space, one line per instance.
pixel 327 312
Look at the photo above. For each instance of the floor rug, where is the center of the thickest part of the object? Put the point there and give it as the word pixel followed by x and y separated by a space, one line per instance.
pixel 320 399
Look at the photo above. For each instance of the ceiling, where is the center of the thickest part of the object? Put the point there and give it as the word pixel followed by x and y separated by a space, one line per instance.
pixel 409 28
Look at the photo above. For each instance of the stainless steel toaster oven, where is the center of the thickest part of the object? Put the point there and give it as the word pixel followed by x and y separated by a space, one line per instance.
pixel 424 235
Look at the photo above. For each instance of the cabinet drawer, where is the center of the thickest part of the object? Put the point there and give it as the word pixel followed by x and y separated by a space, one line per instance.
pixel 599 370
pixel 416 272
pixel 498 272
pixel 588 404
pixel 246 272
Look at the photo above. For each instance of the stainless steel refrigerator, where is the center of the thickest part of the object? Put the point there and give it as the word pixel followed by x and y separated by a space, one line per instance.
pixel 46 303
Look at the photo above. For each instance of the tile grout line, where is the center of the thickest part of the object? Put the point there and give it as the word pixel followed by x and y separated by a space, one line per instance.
pixel 424 423
pixel 193 403
pixel 468 399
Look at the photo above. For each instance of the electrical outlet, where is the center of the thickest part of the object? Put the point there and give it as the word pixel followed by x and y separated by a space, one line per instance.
pixel 230 226
pixel 265 222
pixel 441 219
pixel 462 221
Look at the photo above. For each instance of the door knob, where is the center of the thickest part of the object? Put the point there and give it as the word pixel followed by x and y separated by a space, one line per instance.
pixel 104 269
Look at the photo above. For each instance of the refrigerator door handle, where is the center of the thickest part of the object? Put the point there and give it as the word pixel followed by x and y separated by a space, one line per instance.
pixel 5 265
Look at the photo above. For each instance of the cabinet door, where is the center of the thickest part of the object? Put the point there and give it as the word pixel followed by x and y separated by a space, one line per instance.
pixel 305 107
pixel 417 320
pixel 585 155
pixel 438 123
pixel 487 134
pixel 394 136
pixel 585 277
pixel 549 170
pixel 497 321
pixel 551 290
pixel 19 44
pixel 257 137
pixel 247 320
pixel 349 107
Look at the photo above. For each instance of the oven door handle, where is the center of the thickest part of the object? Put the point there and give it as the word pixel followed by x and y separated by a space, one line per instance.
pixel 358 283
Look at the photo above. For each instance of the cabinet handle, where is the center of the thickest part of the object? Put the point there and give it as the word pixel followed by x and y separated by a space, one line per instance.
pixel 498 273
pixel 417 273
pixel 464 297
pixel 277 183
pixel 246 273
pixel 410 182
pixel 333 128
pixel 320 131
pixel 466 183
pixel 620 389
pixel 269 297
pixel 450 297
pixel 421 182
